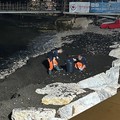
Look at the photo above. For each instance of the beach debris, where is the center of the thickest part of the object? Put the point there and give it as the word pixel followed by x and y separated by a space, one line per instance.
pixel 33 114
pixel 59 93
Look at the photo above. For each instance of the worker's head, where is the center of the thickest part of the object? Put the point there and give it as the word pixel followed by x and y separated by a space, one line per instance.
pixel 60 50
pixel 79 57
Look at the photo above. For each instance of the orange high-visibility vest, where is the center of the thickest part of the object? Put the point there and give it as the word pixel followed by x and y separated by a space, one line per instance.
pixel 78 65
pixel 52 63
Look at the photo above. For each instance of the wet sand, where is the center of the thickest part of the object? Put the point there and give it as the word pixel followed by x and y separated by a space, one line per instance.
pixel 18 89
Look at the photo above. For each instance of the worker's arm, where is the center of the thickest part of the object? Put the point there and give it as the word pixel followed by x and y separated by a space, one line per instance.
pixel 55 54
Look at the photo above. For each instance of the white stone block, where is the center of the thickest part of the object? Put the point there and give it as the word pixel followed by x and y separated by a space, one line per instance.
pixel 101 80
pixel 59 93
pixel 111 90
pixel 113 75
pixel 107 92
pixel 115 53
pixel 87 102
pixel 33 114
pixel 95 81
pixel 78 106
pixel 116 63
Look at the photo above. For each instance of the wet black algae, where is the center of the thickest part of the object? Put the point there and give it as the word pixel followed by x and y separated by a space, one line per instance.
pixel 94 47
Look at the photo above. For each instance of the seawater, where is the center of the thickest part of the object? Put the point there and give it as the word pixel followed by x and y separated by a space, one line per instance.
pixel 18 44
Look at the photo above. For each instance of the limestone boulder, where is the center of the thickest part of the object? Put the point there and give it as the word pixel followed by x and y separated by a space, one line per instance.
pixel 115 53
pixel 101 80
pixel 113 75
pixel 95 82
pixel 78 106
pixel 107 92
pixel 33 114
pixel 116 63
pixel 60 93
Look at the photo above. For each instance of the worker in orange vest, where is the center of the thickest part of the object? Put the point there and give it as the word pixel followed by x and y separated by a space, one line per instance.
pixel 52 60
pixel 80 63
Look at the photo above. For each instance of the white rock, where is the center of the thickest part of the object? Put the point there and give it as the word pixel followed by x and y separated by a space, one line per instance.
pixel 114 46
pixel 86 102
pixel 60 93
pixel 33 114
pixel 113 75
pixel 116 63
pixel 115 53
pixel 55 100
pixel 95 81
pixel 78 106
pixel 101 80
pixel 107 92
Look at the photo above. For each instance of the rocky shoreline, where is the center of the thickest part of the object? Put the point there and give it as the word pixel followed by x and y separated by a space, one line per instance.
pixel 18 89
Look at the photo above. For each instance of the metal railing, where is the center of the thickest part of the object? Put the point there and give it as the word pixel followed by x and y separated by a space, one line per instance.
pixel 13 6
pixel 31 6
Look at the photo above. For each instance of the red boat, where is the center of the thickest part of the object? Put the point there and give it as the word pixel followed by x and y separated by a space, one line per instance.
pixel 111 25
